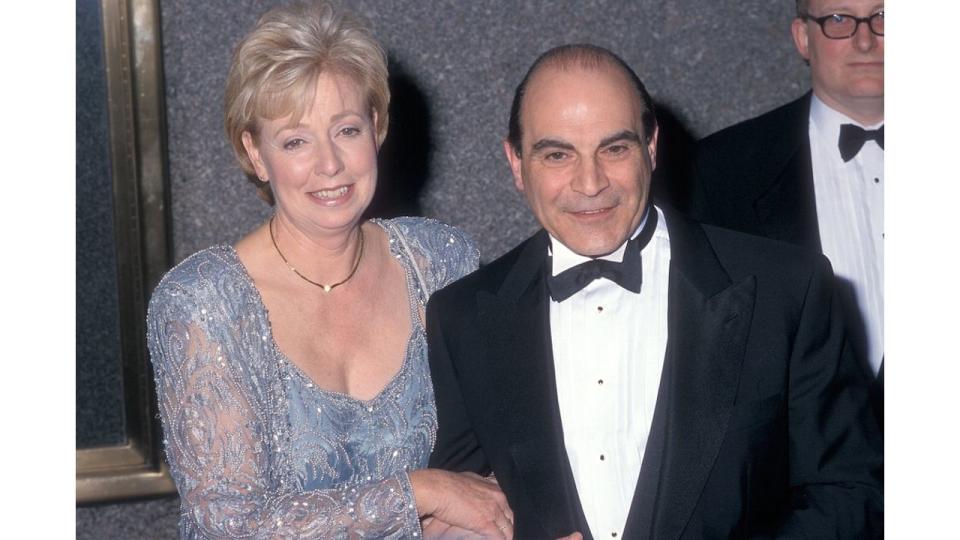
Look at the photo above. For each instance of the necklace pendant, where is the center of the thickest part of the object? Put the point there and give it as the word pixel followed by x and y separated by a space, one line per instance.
pixel 326 288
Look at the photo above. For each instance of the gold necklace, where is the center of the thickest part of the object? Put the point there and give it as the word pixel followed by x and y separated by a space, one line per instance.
pixel 326 288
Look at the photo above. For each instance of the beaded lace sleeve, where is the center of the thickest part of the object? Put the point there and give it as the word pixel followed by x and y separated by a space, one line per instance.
pixel 214 394
pixel 442 253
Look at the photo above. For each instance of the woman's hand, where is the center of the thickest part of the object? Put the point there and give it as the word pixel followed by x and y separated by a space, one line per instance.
pixel 468 505
pixel 434 529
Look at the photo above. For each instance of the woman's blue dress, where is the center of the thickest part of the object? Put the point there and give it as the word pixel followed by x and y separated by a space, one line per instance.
pixel 255 447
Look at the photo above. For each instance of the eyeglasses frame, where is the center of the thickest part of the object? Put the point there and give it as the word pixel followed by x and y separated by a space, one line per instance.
pixel 858 20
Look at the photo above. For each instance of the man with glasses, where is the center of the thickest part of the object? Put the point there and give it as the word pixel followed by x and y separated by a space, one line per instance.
pixel 811 171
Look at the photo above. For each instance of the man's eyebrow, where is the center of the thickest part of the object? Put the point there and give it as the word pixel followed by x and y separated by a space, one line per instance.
pixel 625 135
pixel 551 143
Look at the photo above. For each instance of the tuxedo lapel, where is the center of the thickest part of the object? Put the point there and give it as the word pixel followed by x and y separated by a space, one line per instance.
pixel 787 209
pixel 709 319
pixel 516 334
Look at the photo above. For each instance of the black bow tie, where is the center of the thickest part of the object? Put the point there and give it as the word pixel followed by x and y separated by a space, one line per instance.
pixel 852 138
pixel 628 274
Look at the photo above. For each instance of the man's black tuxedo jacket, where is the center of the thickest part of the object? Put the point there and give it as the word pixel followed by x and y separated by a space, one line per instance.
pixel 761 424
pixel 757 177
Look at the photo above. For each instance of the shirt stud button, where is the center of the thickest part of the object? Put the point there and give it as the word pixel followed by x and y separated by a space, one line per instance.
pixel 876 180
pixel 600 381
pixel 602 457
pixel 599 309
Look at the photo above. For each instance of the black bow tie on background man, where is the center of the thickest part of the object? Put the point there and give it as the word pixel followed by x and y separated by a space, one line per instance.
pixel 628 274
pixel 852 138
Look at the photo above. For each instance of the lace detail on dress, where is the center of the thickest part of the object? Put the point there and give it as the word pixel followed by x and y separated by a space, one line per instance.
pixel 446 253
pixel 256 449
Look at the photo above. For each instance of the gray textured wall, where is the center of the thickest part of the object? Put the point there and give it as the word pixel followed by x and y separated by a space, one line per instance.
pixel 707 63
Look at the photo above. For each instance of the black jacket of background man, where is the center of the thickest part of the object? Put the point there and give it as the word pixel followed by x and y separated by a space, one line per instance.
pixel 757 177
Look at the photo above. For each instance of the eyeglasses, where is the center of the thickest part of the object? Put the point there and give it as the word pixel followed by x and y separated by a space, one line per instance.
pixel 843 26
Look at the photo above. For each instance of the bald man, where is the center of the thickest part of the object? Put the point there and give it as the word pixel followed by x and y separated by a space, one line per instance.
pixel 629 373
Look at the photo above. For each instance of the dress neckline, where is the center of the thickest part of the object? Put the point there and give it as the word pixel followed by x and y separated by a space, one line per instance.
pixel 416 325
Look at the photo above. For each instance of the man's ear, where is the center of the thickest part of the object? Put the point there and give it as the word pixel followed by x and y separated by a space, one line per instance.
pixel 515 165
pixel 254 154
pixel 801 38
pixel 652 148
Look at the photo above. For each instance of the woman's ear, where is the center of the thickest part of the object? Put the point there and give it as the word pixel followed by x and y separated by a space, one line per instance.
pixel 254 154
pixel 376 129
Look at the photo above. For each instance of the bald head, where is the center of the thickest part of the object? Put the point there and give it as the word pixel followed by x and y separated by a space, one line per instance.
pixel 583 57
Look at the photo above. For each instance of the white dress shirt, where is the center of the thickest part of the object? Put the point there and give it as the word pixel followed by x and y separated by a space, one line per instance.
pixel 608 350
pixel 849 198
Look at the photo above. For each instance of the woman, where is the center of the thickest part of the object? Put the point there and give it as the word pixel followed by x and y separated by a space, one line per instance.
pixel 291 368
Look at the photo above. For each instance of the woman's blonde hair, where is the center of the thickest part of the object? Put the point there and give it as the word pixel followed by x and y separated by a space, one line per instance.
pixel 275 68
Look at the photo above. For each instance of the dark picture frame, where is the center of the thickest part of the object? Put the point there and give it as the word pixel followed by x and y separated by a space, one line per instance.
pixel 138 168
